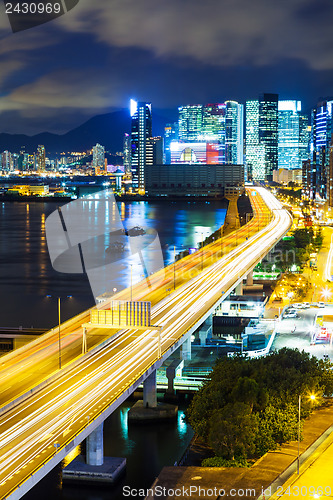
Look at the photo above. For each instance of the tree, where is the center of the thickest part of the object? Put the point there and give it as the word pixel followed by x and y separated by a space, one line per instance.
pixel 232 431
pixel 259 394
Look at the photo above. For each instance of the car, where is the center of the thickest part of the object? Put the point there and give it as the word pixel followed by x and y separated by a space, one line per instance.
pixel 291 314
pixel 321 304
pixel 305 305
pixel 298 306
pixel 314 304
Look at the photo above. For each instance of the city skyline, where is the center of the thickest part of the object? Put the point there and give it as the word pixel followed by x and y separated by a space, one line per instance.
pixel 95 58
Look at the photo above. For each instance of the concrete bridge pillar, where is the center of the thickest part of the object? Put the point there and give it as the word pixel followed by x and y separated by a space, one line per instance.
pixel 95 447
pixel 239 288
pixel 185 350
pixel 249 279
pixel 149 391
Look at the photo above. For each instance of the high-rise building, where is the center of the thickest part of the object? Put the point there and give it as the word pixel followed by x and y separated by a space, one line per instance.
pixel 322 130
pixel 40 158
pixel 292 134
pixel 190 122
pixel 98 156
pixel 171 133
pixel 154 151
pixel 268 131
pixel 141 131
pixel 127 154
pixel 6 160
pixel 255 152
pixel 234 124
pixel 213 122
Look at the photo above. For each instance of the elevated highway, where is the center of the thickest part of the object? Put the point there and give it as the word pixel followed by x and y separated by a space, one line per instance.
pixel 39 426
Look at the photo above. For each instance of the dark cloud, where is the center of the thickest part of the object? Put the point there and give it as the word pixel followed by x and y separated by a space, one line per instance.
pixel 99 55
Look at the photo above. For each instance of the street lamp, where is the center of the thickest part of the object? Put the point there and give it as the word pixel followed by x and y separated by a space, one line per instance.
pixel 59 323
pixel 326 293
pixel 312 397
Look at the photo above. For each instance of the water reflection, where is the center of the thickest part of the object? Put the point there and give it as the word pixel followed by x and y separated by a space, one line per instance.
pixel 26 275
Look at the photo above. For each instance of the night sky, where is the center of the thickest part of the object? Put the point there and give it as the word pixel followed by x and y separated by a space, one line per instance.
pixel 93 59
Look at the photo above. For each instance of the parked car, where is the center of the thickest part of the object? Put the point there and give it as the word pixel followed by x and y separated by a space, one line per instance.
pixel 291 314
pixel 305 305
pixel 321 304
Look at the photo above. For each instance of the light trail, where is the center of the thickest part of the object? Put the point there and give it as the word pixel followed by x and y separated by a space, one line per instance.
pixel 328 267
pixel 60 411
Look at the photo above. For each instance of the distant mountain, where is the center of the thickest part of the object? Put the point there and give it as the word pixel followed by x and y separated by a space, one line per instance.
pixel 107 129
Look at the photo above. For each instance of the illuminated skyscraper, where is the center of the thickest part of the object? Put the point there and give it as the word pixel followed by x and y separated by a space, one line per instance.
pixel 141 131
pixel 322 130
pixel 255 152
pixel 7 160
pixel 213 126
pixel 41 158
pixel 127 153
pixel 293 135
pixel 268 131
pixel 171 133
pixel 234 123
pixel 154 151
pixel 98 156
pixel 190 122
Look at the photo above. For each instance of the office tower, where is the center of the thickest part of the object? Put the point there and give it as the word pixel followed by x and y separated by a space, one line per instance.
pixel 234 123
pixel 141 130
pixel 322 130
pixel 98 160
pixel 292 135
pixel 171 133
pixel 190 122
pixel 7 160
pixel 330 175
pixel 127 154
pixel 154 151
pixel 213 122
pixel 268 131
pixel 40 158
pixel 255 152
pixel 304 138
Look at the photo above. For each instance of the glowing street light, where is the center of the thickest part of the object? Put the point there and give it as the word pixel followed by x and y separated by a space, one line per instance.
pixel 59 322
pixel 326 293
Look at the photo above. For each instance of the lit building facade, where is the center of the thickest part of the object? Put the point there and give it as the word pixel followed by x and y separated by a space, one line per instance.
pixel 213 123
pixel 197 152
pixel 127 154
pixel 293 135
pixel 40 158
pixel 190 122
pixel 234 124
pixel 268 131
pixel 141 131
pixel 171 133
pixel 322 130
pixel 98 156
pixel 192 179
pixel 154 151
pixel 7 160
pixel 255 152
